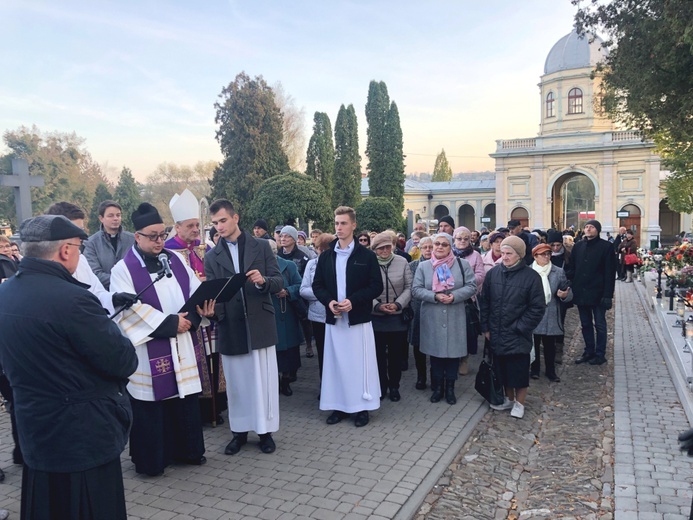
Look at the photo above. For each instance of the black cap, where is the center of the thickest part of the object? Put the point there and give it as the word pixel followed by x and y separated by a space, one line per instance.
pixel 595 223
pixel 514 223
pixel 448 219
pixel 554 236
pixel 145 215
pixel 48 228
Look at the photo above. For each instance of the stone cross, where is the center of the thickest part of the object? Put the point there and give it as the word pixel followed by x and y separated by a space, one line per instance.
pixel 21 181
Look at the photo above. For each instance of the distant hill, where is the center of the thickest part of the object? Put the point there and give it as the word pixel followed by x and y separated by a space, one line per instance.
pixel 465 176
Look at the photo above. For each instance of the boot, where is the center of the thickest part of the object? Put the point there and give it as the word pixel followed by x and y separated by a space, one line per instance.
pixel 421 379
pixel 450 391
pixel 284 387
pixel 629 277
pixel 437 387
pixel 464 366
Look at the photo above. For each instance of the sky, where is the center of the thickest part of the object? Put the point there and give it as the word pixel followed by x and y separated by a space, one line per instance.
pixel 138 79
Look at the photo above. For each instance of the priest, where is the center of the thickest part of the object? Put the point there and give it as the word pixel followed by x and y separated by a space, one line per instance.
pixel 185 210
pixel 164 389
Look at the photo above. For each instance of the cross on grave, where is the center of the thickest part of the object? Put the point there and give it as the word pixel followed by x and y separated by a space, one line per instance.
pixel 21 181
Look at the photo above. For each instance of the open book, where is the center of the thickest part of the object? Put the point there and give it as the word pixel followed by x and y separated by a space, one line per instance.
pixel 221 290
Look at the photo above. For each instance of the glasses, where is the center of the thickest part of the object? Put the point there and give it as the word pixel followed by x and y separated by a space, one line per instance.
pixel 441 244
pixel 363 240
pixel 154 237
pixel 462 239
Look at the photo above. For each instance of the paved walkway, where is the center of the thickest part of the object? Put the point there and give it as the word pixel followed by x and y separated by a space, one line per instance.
pixel 600 444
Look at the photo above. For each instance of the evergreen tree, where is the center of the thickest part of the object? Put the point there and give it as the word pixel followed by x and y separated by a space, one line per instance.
pixel 347 165
pixel 378 214
pixel 100 194
pixel 127 194
pixel 384 147
pixel 442 171
pixel 320 156
pixel 250 137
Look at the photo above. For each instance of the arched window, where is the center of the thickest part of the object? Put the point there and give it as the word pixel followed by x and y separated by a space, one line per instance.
pixel 550 105
pixel 575 101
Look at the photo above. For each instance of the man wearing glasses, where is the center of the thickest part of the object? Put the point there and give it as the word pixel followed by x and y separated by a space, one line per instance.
pixel 108 245
pixel 164 390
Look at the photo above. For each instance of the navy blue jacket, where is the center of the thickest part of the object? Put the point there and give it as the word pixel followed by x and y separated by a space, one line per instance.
pixel 592 271
pixel 68 365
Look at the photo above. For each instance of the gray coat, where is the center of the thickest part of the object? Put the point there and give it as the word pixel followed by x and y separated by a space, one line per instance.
pixel 246 322
pixel 101 256
pixel 552 324
pixel 443 327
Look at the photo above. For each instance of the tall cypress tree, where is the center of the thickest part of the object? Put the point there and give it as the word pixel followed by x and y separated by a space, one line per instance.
pixel 442 171
pixel 127 194
pixel 394 160
pixel 320 156
pixel 347 165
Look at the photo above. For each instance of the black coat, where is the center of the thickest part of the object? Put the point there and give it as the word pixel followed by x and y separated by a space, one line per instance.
pixel 68 365
pixel 512 304
pixel 592 271
pixel 7 267
pixel 246 322
pixel 363 282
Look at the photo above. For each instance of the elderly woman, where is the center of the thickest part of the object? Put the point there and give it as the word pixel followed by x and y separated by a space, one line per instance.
pixel 484 245
pixel 493 256
pixel 316 310
pixel 556 290
pixel 512 306
pixel 463 248
pixel 443 284
pixel 288 325
pixel 389 325
pixel 425 246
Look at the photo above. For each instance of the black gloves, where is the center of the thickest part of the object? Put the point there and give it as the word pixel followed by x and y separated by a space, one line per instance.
pixel 606 303
pixel 123 299
pixel 686 442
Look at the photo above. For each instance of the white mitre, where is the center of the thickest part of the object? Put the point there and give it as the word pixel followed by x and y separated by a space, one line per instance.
pixel 184 206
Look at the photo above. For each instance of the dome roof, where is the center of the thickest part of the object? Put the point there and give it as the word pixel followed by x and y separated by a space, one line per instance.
pixel 575 52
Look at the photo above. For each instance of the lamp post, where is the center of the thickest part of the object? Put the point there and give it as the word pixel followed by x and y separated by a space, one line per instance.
pixel 658 259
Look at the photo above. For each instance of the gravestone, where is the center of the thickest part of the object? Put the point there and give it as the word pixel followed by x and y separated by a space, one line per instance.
pixel 21 181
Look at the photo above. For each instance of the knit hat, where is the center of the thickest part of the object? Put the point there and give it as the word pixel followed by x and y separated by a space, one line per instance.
pixel 515 243
pixel 303 234
pixel 596 224
pixel 291 231
pixel 261 223
pixel 541 248
pixel 495 236
pixel 48 228
pixel 461 229
pixel 380 240
pixel 554 236
pixel 448 219
pixel 145 215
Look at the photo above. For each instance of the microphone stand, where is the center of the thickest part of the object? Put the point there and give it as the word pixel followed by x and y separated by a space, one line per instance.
pixel 159 276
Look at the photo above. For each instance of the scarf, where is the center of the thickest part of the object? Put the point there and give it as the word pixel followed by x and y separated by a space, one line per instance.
pixel 544 273
pixel 442 276
pixel 385 261
pixel 463 253
pixel 559 253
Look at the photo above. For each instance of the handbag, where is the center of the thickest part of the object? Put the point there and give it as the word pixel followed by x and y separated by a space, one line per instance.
pixel 473 318
pixel 407 314
pixel 631 259
pixel 487 381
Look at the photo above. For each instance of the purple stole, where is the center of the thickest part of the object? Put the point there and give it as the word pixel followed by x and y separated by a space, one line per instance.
pixel 158 349
pixel 196 263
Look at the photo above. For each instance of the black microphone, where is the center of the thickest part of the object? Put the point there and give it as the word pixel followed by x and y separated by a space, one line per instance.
pixel 163 259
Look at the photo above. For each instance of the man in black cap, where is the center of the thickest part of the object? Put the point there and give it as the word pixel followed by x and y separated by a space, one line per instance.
pixel 446 224
pixel 68 365
pixel 164 390
pixel 592 270
pixel 261 229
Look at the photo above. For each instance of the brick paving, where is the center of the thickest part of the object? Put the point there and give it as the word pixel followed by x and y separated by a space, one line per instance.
pixel 599 445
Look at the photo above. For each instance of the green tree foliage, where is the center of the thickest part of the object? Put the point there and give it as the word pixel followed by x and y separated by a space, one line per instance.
pixel 170 178
pixel 320 155
pixel 648 74
pixel 347 165
pixel 69 172
pixel 250 136
pixel 442 171
pixel 291 196
pixel 127 194
pixel 378 214
pixel 384 146
pixel 102 193
pixel 679 184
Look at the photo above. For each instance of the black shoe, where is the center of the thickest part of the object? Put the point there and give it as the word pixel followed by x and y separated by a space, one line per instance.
pixel 194 462
pixel 234 446
pixel 2 475
pixel 437 394
pixel 584 358
pixel 267 443
pixel 284 387
pixel 394 395
pixel 335 417
pixel 534 376
pixel 597 360
pixel 383 393
pixel 421 384
pixel 554 378
pixel 450 392
pixel 361 419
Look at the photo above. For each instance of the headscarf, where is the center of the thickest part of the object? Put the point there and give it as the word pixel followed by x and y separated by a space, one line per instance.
pixel 442 275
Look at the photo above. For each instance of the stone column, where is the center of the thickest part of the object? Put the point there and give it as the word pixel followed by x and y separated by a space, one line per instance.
pixel 606 180
pixel 651 185
pixel 538 194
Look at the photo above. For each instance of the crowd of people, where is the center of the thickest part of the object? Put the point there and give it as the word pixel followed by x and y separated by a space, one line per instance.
pixel 154 374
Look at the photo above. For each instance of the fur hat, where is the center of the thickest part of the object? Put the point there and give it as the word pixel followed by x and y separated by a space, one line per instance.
pixel 515 243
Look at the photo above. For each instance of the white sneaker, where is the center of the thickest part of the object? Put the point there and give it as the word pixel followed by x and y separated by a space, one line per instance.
pixel 507 405
pixel 518 410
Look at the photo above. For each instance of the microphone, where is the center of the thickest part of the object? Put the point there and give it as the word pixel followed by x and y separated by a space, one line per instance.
pixel 163 260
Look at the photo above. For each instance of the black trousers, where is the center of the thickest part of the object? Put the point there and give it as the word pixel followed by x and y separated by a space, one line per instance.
pixel 319 335
pixel 443 369
pixel 549 343
pixel 389 353
pixel 6 391
pixel 420 360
